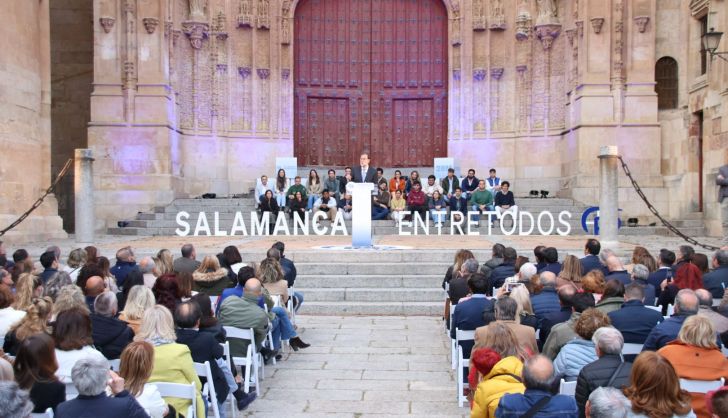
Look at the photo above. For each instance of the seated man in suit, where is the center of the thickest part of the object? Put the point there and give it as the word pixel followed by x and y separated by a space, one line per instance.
pixel 717 280
pixel 564 332
pixel 345 205
pixel 551 257
pixel 617 271
pixel 468 314
pixel 634 320
pixel 590 261
pixel 364 173
pixel 547 301
pixel 686 304
pixel 665 271
pixel 640 273
pixel 504 270
pixel 549 320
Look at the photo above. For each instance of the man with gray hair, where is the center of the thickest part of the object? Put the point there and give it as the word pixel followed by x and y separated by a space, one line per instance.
pixel 608 370
pixel 640 273
pixel 720 322
pixel 686 304
pixel 526 271
pixel 125 263
pixel 146 266
pixel 538 377
pixel 717 280
pixel 14 402
pixel 608 402
pixel 506 309
pixel 90 376
pixel 110 334
pixel 547 300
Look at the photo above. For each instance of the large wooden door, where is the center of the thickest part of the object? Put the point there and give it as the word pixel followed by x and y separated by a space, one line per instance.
pixel 370 75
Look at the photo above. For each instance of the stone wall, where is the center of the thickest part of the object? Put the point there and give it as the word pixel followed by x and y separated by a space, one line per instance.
pixel 25 120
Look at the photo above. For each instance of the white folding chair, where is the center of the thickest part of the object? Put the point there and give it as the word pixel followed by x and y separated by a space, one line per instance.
pixel 291 292
pixel 453 343
pixel 670 310
pixel 631 348
pixel 538 334
pixel 724 350
pixel 180 391
pixel 47 414
pixel 701 386
pixel 567 388
pixel 269 338
pixel 229 359
pixel 717 301
pixel 71 391
pixel 462 363
pixel 252 360
pixel 208 390
pixel 115 364
pixel 654 308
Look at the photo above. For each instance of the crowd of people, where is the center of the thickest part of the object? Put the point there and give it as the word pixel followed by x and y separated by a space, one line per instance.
pixel 539 323
pixel 62 326
pixel 392 197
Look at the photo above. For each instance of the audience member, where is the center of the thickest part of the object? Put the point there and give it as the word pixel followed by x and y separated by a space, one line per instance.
pixel 28 286
pixel 637 254
pixel 633 319
pixel 69 297
pixel 579 352
pixel 505 269
pixel 664 271
pixel 549 320
pixel 607 402
pixel 9 316
pixel 640 275
pixel 50 265
pixel 438 208
pixel 506 309
pixel 590 261
pixel 164 262
pixel 701 262
pixel 262 187
pixel 469 183
pixel 208 321
pixel 397 183
pixel 110 335
pixel 35 371
pixel 146 266
pixel 34 322
pixel 92 254
pixel 538 378
pixel 547 300
pixel 104 266
pixel 88 271
pixel 449 183
pixel 210 279
pixel 495 260
pixel 504 202
pixel 717 280
pixel 74 342
pixel 332 184
pixel 271 275
pixel 14 400
pixel 55 283
pixel 503 342
pixel 570 273
pixel 297 206
pixel 717 402
pixel 687 274
pixel 525 315
pixel 654 389
pixel 686 304
pixel 187 263
pixel 481 201
pixel 608 370
pixel 593 282
pixel 417 202
pixel 297 187
pixel 245 313
pixel 459 285
pixel 166 291
pixel 134 278
pixel 617 271
pixel 540 258
pixel 345 206
pixel 125 263
pixel 94 287
pixel 705 299
pixel 280 188
pixel 139 301
pixel 76 260
pixel 137 363
pixel 468 314
pixel 613 296
pixel 327 204
pixel 564 332
pixel 494 183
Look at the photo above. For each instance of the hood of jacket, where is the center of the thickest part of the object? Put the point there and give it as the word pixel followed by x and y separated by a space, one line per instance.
pixel 508 365
pixel 209 278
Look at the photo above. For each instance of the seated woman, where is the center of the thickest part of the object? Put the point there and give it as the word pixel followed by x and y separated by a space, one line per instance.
pixel 613 296
pixel 72 335
pixel 9 316
pixel 34 322
pixel 525 315
pixel 314 188
pixel 210 279
pixel 593 282
pixel 581 351
pixel 268 204
pixel 166 291
pixel 172 361
pixel 298 206
pixel 139 300
pixel 654 389
pixel 397 183
pixel 271 275
pixel 438 208
pixel 281 187
pixel 35 371
pixel 397 205
pixel 695 356
pixel 27 287
pixel 137 363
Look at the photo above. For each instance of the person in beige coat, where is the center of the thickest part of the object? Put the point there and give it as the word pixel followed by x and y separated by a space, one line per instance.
pixel 505 313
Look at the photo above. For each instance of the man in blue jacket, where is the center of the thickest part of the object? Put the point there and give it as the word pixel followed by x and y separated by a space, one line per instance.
pixel 590 261
pixel 717 280
pixel 468 314
pixel 634 320
pixel 686 304
pixel 665 270
pixel 125 263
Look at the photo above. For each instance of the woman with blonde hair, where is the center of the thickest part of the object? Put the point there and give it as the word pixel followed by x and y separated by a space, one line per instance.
pixel 163 262
pixel 69 297
pixel 140 299
pixel 210 278
pixel 76 260
pixel 524 314
pixel 654 389
pixel 172 361
pixel 34 322
pixel 580 351
pixel 137 363
pixel 452 272
pixel 570 272
pixel 271 276
pixel 637 255
pixel 55 283
pixel 593 282
pixel 695 355
pixel 29 286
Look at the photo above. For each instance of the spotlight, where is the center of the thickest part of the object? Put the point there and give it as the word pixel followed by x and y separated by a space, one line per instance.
pixel 122 224
pixel 209 196
pixel 544 194
pixel 632 222
pixel 533 193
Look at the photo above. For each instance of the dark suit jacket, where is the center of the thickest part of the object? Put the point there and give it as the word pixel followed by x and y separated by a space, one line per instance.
pixel 634 321
pixel 552 267
pixel 620 275
pixel 589 263
pixel 468 316
pixel 356 175
pixel 110 335
pixel 501 273
pixel 551 319
pixel 122 405
pixel 47 395
pixel 716 280
pixel 204 347
pixel 655 278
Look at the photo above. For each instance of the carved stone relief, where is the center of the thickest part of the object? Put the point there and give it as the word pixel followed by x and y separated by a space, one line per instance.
pixel 479 20
pixel 641 22
pixel 285 31
pixel 197 10
pixel 263 19
pixel 547 12
pixel 107 23
pixel 597 23
pixel 245 16
pixel 150 24
pixel 497 15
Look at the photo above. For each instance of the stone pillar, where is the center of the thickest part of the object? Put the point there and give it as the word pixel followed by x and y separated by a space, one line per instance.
pixel 608 195
pixel 84 195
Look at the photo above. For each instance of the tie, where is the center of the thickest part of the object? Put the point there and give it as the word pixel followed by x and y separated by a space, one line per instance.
pixel 363 174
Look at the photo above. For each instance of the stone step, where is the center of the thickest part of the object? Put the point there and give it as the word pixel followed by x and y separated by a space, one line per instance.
pixel 373 308
pixel 339 294
pixel 369 268
pixel 373 256
pixel 661 231
pixel 429 281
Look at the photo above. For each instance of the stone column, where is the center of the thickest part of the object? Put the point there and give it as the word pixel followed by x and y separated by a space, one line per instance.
pixel 84 195
pixel 608 196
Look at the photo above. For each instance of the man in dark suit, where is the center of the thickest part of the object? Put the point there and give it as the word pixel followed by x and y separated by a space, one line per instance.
pixel 468 314
pixel 666 260
pixel 506 269
pixel 551 256
pixel 617 271
pixel 634 320
pixel 566 294
pixel 717 280
pixel 590 261
pixel 722 180
pixel 364 173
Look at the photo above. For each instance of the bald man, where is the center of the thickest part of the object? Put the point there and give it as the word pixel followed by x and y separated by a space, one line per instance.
pixel 705 298
pixel 617 271
pixel 94 287
pixel 686 304
pixel 245 313
pixel 538 378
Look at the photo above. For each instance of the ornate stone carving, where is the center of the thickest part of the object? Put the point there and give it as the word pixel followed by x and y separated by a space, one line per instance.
pixel 167 28
pixel 455 38
pixel 129 74
pixel 263 20
pixel 456 75
pixel 597 23
pixel 641 22
pixel 150 24
pixel 245 17
pixel 496 73
pixel 197 10
pixel 285 31
pixel 579 28
pixel 455 7
pixel 546 12
pixel 523 26
pixel 107 23
pixel 285 73
pixel 479 74
pixel 479 23
pixel 263 73
pixel 521 68
pixel 547 34
pixel 497 16
pixel 285 8
pixel 570 33
pixel 245 72
pixel 220 27
pixel 221 68
pixel 196 31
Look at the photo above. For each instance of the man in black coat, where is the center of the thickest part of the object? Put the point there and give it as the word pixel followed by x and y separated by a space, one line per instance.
pixel 634 320
pixel 717 280
pixel 590 261
pixel 665 271
pixel 203 347
pixel 364 173
pixel 505 270
pixel 110 335
pixel 608 370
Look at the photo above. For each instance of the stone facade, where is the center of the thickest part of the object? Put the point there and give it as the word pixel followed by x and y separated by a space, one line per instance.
pixel 25 124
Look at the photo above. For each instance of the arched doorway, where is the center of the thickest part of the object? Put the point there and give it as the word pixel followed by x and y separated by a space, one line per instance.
pixel 370 75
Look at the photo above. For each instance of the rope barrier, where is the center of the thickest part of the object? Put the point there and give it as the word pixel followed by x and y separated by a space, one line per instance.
pixel 654 211
pixel 38 202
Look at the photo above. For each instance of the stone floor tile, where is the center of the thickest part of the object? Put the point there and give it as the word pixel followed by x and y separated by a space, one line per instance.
pixel 364 384
pixel 359 407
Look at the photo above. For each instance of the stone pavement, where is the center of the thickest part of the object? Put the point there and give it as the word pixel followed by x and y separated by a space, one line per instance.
pixel 372 366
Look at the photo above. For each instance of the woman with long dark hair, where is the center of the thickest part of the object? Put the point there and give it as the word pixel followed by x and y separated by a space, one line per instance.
pixel 281 186
pixel 35 371
pixel 314 188
pixel 298 206
pixel 166 291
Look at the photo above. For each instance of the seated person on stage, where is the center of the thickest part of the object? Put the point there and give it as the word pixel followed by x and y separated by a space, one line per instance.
pixel 343 180
pixel 449 184
pixel 261 187
pixel 493 183
pixel 397 183
pixel 268 203
pixel 281 187
pixel 432 187
pixel 417 201
pixel 504 201
pixel 397 205
pixel 332 183
pixel 326 203
pixel 297 205
pixel 380 177
pixel 438 208
pixel 313 188
pixel 481 200
pixel 297 187
pixel 469 183
pixel 458 202
pixel 380 202
pixel 413 178
pixel 345 206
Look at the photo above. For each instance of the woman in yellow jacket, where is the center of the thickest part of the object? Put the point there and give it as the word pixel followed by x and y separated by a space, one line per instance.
pixel 504 377
pixel 172 361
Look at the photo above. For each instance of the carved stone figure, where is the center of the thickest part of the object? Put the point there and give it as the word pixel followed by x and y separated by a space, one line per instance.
pixel 641 22
pixel 523 26
pixel 478 15
pixel 197 10
pixel 263 21
pixel 245 18
pixel 107 23
pixel 150 24
pixel 455 5
pixel 285 31
pixel 497 15
pixel 546 12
